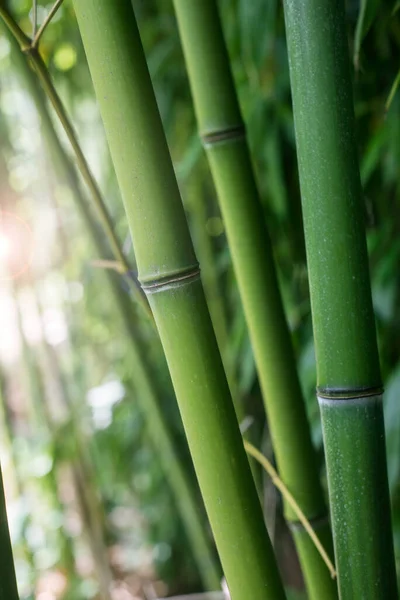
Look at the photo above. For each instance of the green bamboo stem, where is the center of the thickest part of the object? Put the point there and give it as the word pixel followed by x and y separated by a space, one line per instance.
pixel 212 286
pixel 221 128
pixel 147 395
pixel 348 374
pixel 169 273
pixel 211 281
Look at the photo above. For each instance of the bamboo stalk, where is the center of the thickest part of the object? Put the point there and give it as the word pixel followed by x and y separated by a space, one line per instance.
pixel 223 134
pixel 169 274
pixel 348 373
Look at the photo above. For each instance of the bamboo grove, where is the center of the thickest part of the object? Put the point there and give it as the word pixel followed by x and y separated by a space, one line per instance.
pixel 248 455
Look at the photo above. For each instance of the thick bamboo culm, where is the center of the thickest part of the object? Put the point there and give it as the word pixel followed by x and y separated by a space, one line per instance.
pixel 169 273
pixel 348 374
pixel 147 395
pixel 223 134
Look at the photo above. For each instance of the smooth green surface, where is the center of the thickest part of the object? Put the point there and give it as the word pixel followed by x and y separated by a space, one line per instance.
pixel 163 249
pixel 217 110
pixel 363 548
pixel 344 328
pixel 214 438
pixel 141 372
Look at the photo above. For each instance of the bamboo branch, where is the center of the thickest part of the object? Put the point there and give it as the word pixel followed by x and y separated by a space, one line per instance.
pixel 36 37
pixel 27 46
pixel 277 481
pixel 34 17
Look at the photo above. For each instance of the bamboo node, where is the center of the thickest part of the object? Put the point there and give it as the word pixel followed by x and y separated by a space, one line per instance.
pixel 338 393
pixel 238 132
pixel 172 280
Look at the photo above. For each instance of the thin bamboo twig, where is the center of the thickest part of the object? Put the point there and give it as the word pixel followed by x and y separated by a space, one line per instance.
pixel 34 18
pixel 50 91
pixel 86 173
pixel 264 462
pixel 36 37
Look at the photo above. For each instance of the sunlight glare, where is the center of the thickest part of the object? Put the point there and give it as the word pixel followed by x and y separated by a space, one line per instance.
pixel 5 247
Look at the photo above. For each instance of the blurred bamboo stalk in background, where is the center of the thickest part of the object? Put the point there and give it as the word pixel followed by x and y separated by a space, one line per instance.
pixel 40 422
pixel 223 134
pixel 348 373
pixel 79 465
pixel 169 274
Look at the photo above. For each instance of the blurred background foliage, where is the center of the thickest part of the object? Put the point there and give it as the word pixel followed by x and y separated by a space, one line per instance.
pixel 88 502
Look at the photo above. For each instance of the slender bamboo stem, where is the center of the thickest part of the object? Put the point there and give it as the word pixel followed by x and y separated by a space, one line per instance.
pixel 169 273
pixel 223 134
pixel 349 381
pixel 212 287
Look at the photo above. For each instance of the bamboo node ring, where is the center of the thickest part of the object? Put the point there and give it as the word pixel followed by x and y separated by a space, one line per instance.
pixel 238 132
pixel 331 393
pixel 172 280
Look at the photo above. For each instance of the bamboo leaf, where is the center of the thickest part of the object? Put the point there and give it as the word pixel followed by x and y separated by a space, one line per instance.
pixel 366 16
pixel 392 426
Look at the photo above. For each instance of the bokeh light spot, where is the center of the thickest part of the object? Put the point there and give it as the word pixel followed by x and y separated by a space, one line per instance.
pixel 65 57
